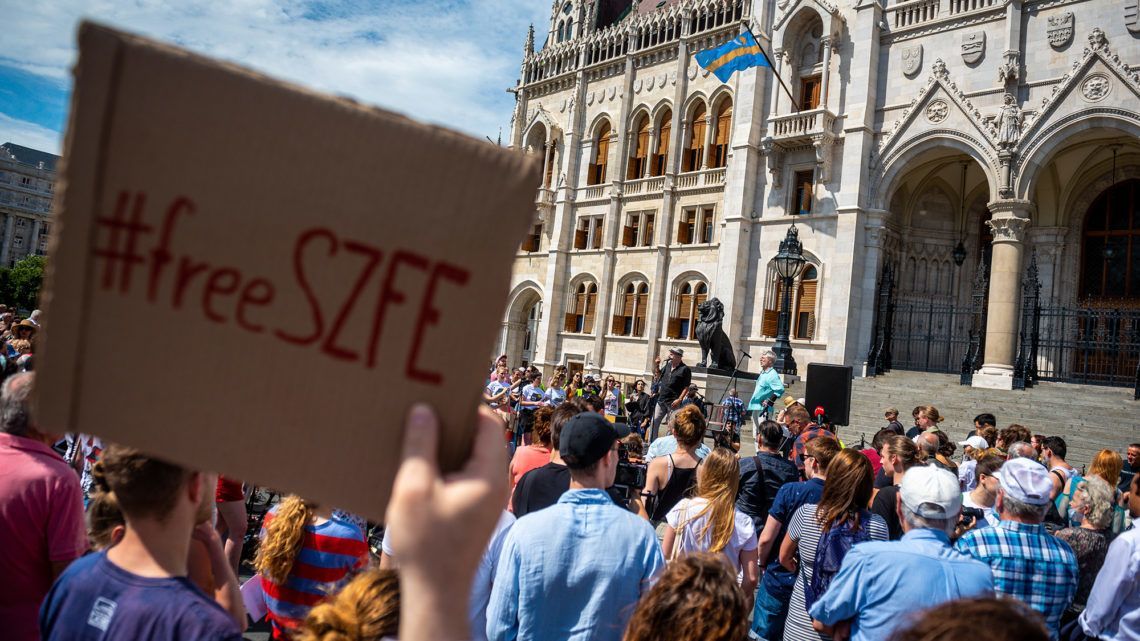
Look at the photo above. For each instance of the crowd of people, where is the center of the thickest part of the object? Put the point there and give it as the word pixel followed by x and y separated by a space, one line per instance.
pixel 591 509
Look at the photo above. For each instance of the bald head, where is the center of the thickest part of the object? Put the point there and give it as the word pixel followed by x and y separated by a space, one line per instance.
pixel 928 442
pixel 1021 449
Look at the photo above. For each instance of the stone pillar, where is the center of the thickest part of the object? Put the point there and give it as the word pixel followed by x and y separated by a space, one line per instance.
pixel 710 120
pixel 874 233
pixel 546 160
pixel 826 42
pixel 776 92
pixel 34 250
pixel 6 247
pixel 1009 222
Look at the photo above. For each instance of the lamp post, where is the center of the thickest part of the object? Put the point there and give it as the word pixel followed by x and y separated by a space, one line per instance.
pixel 789 261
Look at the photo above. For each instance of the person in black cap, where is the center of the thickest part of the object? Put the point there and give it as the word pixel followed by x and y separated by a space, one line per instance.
pixel 673 386
pixel 571 545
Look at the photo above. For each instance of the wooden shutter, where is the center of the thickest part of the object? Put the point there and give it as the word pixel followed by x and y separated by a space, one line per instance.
pixel 804 191
pixel 628 236
pixel 684 230
pixel 674 330
pixel 647 239
pixel 639 320
pixel 602 156
pixel 617 326
pixel 597 244
pixel 697 142
pixel 769 324
pixel 570 324
pixel 591 302
pixel 580 238
pixel 707 228
pixel 805 319
pixel 549 168
pixel 723 134
pixel 529 244
pixel 662 155
pixel 628 301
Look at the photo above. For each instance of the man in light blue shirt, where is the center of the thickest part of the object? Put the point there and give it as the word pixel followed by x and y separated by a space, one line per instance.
pixel 881 583
pixel 1113 609
pixel 576 569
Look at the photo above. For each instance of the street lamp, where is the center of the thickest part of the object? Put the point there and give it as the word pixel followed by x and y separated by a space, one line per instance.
pixel 789 261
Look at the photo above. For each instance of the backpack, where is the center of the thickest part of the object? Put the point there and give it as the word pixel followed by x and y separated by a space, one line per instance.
pixel 829 552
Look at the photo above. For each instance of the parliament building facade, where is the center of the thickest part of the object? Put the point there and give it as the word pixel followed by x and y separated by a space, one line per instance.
pixel 964 176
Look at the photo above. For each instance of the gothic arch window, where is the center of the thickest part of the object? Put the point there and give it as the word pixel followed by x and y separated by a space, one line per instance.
pixel 569 28
pixel 597 168
pixel 583 306
pixel 683 321
pixel 561 31
pixel 804 300
pixel 661 153
pixel 695 151
pixel 639 148
pixel 632 305
pixel 722 133
pixel 1110 248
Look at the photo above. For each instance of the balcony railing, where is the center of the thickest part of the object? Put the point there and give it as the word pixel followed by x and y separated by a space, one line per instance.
pixel 593 192
pixel 644 186
pixel 545 197
pixel 704 178
pixel 916 12
pixel 798 128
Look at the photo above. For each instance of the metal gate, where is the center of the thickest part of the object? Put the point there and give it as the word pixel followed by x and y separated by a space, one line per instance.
pixel 929 336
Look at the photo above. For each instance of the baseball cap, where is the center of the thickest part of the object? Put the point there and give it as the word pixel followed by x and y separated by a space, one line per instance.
pixel 1026 481
pixel 976 442
pixel 931 493
pixel 587 437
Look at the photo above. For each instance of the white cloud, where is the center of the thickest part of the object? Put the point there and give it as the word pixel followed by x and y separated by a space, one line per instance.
pixel 29 134
pixel 447 62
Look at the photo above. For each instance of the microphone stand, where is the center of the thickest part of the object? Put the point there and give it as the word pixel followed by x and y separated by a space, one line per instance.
pixel 732 380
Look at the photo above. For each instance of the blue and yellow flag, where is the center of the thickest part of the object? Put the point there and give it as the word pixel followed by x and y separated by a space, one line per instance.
pixel 737 54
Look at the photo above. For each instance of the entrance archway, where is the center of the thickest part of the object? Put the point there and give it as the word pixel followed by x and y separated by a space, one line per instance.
pixel 523 318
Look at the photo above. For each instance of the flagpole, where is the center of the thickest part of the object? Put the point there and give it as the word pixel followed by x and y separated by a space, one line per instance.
pixel 772 66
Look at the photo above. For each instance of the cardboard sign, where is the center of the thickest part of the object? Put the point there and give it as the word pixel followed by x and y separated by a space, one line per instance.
pixel 251 278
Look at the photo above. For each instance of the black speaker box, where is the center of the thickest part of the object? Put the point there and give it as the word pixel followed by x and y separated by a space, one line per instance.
pixel 830 386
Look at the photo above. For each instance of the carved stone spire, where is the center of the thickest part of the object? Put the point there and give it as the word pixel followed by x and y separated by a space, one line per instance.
pixel 528 48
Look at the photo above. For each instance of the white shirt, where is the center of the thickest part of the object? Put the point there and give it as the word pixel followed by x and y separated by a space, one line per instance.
pixel 1113 609
pixel 689 536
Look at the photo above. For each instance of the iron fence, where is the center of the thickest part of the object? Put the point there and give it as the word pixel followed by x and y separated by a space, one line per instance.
pixel 929 336
pixel 1088 345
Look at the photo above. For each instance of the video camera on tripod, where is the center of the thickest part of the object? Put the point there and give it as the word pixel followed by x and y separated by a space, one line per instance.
pixel 630 478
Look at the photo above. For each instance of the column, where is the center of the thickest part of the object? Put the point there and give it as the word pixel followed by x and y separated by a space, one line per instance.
pixel 709 121
pixel 6 246
pixel 874 232
pixel 34 250
pixel 826 42
pixel 776 89
pixel 1009 222
pixel 546 161
pixel 1049 243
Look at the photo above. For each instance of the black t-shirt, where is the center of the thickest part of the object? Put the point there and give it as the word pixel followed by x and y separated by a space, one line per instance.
pixel 543 486
pixel 1126 474
pixel 895 427
pixel 885 505
pixel 883 479
pixel 913 432
pixel 674 380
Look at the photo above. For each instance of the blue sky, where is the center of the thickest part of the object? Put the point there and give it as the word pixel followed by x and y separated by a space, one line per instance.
pixel 441 61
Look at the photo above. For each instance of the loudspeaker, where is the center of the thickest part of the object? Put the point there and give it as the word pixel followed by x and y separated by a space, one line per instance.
pixel 830 386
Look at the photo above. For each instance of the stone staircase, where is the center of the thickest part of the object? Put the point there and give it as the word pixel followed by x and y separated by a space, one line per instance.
pixel 1089 418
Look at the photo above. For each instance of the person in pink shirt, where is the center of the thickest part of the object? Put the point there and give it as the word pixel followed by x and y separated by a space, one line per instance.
pixel 41 512
pixel 537 453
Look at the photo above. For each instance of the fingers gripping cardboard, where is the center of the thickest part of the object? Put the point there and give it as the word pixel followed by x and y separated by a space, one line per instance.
pixel 252 278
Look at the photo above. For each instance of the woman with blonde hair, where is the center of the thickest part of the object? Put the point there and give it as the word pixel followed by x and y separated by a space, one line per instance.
pixel 710 522
pixel 367 609
pixel 928 418
pixel 841 514
pixel 1091 506
pixel 303 556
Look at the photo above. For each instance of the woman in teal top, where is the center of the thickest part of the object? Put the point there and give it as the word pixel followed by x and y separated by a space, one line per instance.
pixel 768 384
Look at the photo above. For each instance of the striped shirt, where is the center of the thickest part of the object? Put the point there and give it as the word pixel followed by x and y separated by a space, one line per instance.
pixel 1028 564
pixel 330 552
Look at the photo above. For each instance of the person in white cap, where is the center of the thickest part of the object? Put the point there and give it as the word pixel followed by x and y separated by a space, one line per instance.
pixel 880 583
pixel 1028 563
pixel 972 448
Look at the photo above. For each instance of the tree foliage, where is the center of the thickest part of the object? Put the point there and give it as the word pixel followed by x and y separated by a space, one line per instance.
pixel 20 284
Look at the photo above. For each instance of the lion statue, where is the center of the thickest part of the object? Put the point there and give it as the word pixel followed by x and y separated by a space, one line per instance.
pixel 713 340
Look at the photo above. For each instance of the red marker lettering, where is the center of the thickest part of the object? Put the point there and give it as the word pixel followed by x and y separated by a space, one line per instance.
pixel 160 255
pixel 299 272
pixel 248 297
pixel 330 347
pixel 430 316
pixel 214 286
pixel 187 270
pixel 389 295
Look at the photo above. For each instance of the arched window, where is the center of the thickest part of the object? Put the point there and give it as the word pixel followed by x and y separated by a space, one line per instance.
pixel 639 148
pixel 683 322
pixel 601 154
pixel 804 299
pixel 569 28
pixel 694 153
pixel 561 32
pixel 661 154
pixel 722 134
pixel 1110 253
pixel 632 304
pixel 583 308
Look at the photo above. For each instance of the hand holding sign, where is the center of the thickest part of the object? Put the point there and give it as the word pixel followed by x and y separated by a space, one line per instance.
pixel 254 279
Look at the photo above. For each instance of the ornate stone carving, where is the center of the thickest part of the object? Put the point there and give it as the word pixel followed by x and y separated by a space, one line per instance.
pixel 973 46
pixel 937 111
pixel 1008 229
pixel 939 69
pixel 692 71
pixel 1009 122
pixel 775 158
pixel 613 92
pixel 637 85
pixel 1009 69
pixel 1095 87
pixel 1132 15
pixel 1097 40
pixel 1060 30
pixel 912 60
pixel 822 144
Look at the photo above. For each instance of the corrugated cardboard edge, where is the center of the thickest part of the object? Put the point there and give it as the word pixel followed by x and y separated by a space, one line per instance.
pixel 102 50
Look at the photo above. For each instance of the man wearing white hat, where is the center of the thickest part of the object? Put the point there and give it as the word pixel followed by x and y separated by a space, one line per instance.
pixel 881 583
pixel 1028 563
pixel 966 477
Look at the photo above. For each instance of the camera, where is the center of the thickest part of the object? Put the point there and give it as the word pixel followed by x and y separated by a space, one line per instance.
pixel 630 478
pixel 976 513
